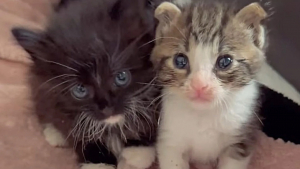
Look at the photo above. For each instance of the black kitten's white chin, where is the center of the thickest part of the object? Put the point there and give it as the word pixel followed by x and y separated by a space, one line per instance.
pixel 116 119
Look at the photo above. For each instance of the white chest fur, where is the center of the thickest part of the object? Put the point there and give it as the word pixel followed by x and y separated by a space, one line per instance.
pixel 201 135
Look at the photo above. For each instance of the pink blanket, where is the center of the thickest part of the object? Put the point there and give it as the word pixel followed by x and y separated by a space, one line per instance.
pixel 21 142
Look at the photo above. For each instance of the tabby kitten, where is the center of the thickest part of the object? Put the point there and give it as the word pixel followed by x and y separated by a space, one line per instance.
pixel 91 79
pixel 207 55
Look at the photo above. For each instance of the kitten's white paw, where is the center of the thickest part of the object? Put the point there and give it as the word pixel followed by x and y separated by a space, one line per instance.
pixel 53 136
pixel 96 166
pixel 137 158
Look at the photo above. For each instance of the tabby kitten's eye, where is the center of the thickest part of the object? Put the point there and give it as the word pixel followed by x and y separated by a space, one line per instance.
pixel 79 91
pixel 181 61
pixel 223 62
pixel 122 78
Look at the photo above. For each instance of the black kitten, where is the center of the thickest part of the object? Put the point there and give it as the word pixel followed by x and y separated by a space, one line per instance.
pixel 92 78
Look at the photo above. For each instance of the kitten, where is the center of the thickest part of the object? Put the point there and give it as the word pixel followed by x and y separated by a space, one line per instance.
pixel 91 79
pixel 207 56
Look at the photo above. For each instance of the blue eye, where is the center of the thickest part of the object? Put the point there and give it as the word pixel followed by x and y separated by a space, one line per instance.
pixel 224 62
pixel 79 91
pixel 181 61
pixel 122 78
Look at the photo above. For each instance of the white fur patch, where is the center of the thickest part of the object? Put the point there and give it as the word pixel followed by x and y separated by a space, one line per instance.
pixel 114 119
pixel 54 137
pixel 96 166
pixel 137 158
pixel 189 134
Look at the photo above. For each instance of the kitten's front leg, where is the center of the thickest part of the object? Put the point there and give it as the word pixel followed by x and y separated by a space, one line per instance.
pixel 140 157
pixel 171 157
pixel 235 157
pixel 53 136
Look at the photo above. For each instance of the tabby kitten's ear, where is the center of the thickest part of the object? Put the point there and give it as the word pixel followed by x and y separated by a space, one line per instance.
pixel 29 40
pixel 166 13
pixel 251 16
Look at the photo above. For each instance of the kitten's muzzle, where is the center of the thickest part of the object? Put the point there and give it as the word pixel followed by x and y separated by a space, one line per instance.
pixel 201 90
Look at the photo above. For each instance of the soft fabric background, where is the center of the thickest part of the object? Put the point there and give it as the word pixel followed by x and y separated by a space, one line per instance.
pixel 21 142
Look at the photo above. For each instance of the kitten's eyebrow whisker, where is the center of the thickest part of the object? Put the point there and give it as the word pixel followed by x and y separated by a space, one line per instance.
pixel 68 87
pixel 79 64
pixel 60 64
pixel 59 85
pixel 63 75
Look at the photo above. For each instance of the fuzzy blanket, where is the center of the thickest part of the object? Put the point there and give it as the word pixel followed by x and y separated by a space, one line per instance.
pixel 21 142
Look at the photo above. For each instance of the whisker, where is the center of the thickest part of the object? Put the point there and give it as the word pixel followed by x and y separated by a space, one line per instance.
pixel 60 64
pixel 158 39
pixel 259 119
pixel 122 133
pixel 72 132
pixel 68 87
pixel 157 98
pixel 59 85
pixel 185 39
pixel 56 77
pixel 158 85
pixel 76 62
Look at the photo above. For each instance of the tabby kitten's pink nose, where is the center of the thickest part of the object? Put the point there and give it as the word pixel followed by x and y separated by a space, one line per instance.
pixel 201 90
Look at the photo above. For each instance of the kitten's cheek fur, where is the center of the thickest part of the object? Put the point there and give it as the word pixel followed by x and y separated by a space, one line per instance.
pixel 136 158
pixel 54 137
pixel 96 166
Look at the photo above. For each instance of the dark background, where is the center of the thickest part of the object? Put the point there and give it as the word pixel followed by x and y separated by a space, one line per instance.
pixel 284 33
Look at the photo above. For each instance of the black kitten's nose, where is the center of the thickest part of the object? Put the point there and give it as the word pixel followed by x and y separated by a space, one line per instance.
pixel 107 111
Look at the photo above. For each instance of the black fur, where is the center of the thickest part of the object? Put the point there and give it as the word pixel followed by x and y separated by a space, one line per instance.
pixel 280 116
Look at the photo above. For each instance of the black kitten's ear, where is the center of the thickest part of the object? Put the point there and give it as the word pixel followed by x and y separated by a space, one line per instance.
pixel 29 40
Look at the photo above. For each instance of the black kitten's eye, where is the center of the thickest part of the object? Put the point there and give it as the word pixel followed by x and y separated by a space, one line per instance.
pixel 122 78
pixel 224 61
pixel 79 91
pixel 181 61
